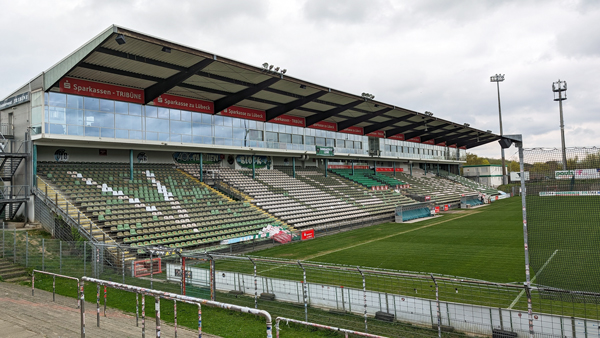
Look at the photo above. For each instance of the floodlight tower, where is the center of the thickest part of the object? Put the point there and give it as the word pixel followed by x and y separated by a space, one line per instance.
pixel 560 87
pixel 499 78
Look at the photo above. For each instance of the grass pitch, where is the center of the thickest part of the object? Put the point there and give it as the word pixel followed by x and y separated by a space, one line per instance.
pixel 484 243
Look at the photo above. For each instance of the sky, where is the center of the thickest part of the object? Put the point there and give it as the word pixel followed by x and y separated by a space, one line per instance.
pixel 423 55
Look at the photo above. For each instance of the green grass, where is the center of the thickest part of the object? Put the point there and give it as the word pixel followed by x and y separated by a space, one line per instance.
pixel 484 243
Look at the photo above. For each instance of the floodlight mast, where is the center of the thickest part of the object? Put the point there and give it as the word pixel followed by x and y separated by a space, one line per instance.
pixel 560 87
pixel 499 78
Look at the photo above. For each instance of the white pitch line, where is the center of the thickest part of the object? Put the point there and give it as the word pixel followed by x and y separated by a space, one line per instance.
pixel 532 280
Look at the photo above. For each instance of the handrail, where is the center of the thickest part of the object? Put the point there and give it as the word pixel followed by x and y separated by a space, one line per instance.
pixel 327 327
pixel 54 275
pixel 171 296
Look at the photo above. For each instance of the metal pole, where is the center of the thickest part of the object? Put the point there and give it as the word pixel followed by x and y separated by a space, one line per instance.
pixel 199 321
pixel 84 257
pixel 151 270
pixel 562 124
pixel 143 316
pixel 137 310
pixel 26 249
pixel 98 305
pixel 104 300
pixel 525 238
pixel 410 169
pixel 82 310
pixel 183 276
pixel 213 280
pixel 15 246
pixel 60 256
pixel 131 164
pixel 294 167
pixel 175 316
pixel 364 295
pixel 326 166
pixel 43 254
pixel 54 288
pixel 123 265
pixel 157 309
pixel 352 167
pixel 394 168
pixel 253 168
pixel 437 302
pixel 304 291
pixel 255 285
pixel 501 132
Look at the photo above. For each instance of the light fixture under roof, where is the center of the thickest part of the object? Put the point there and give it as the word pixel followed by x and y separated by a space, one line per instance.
pixel 120 39
pixel 428 113
pixel 166 49
pixel 466 125
pixel 266 65
pixel 302 86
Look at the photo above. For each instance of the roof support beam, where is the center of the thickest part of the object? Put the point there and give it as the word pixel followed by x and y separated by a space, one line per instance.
pixel 431 133
pixel 354 121
pixel 482 140
pixel 282 109
pixel 139 59
pixel 228 101
pixel 400 130
pixel 455 140
pixel 329 113
pixel 378 126
pixel 164 86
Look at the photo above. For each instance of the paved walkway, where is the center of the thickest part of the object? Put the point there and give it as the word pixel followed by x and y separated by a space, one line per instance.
pixel 22 315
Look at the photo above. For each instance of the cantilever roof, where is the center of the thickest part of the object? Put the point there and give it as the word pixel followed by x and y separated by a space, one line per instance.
pixel 141 63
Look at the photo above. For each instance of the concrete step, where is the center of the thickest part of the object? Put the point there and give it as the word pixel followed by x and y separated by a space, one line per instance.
pixel 18 279
pixel 13 274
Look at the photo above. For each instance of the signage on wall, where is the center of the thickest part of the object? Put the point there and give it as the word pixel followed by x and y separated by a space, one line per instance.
pixel 324 125
pixel 14 101
pixel 353 130
pixel 289 120
pixel 416 139
pixel 443 144
pixel 429 142
pixel 244 113
pixel 399 137
pixel 194 158
pixel 307 234
pixel 61 155
pixel 142 157
pixel 102 152
pixel 338 166
pixel 379 169
pixel 179 102
pixel 259 161
pixel 100 90
pixel 377 133
pixel 324 151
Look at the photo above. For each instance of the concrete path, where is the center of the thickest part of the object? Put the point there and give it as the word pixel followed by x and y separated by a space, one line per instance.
pixel 22 315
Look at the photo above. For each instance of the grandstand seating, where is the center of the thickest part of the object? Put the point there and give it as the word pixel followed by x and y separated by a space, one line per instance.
pixel 469 183
pixel 160 206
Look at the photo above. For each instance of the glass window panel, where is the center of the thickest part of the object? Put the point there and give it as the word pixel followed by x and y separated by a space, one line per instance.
pixel 340 143
pixel 91 103
pixel 238 143
pixel 186 116
pixel 107 106
pixel 227 121
pixel 320 141
pixel 357 145
pixel 135 134
pixel 256 135
pixel 236 122
pixel 129 122
pixel 201 129
pixel 268 127
pixel 75 130
pixel 163 137
pixel 297 139
pixel 120 133
pixel 175 114
pixel 56 115
pixel 285 138
pixel 388 148
pixel 151 111
pixel 122 108
pixel 221 131
pixel 151 136
pixel 92 131
pixel 186 138
pixel 156 125
pixel 36 115
pixel 208 140
pixel 207 119
pixel 330 142
pixel 96 119
pixel 75 102
pixel 163 113
pixel 46 114
pixel 57 100
pixel 349 144
pixel 57 129
pixel 260 125
pixel 239 133
pixel 288 129
pixel 218 120
pixel 197 139
pixel 270 137
pixel 181 127
pixel 309 140
pixel 252 125
pixel 106 132
pixel 196 117
pixel 135 109
pixel 175 138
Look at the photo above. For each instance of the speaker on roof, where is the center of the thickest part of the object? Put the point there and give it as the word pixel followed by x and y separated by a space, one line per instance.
pixel 505 143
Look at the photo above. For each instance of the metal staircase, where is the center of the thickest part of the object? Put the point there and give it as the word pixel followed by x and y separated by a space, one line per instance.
pixel 12 197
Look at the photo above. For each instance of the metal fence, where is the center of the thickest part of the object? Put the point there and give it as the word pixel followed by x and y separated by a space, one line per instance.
pixel 381 302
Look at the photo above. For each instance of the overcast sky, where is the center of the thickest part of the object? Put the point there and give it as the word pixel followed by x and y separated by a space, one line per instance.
pixel 424 55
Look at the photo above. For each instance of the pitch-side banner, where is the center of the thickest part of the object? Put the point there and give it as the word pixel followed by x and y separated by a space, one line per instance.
pixel 580 174
pixel 100 90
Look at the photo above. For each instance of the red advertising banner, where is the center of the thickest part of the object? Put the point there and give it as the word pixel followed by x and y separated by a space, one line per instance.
pixel 445 207
pixel 323 125
pixel 437 210
pixel 414 139
pixel 244 113
pixel 338 166
pixel 289 120
pixel 353 130
pixel 389 169
pixel 100 90
pixel 463 147
pixel 378 133
pixel 399 137
pixel 179 102
pixel 428 198
pixel 452 146
pixel 380 187
pixel 443 144
pixel 429 142
pixel 307 234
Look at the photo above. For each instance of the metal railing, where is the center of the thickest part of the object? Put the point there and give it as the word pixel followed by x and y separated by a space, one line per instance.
pixel 12 192
pixel 326 327
pixel 157 296
pixel 54 275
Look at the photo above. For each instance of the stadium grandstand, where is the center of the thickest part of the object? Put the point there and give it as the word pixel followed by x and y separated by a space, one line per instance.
pixel 146 142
